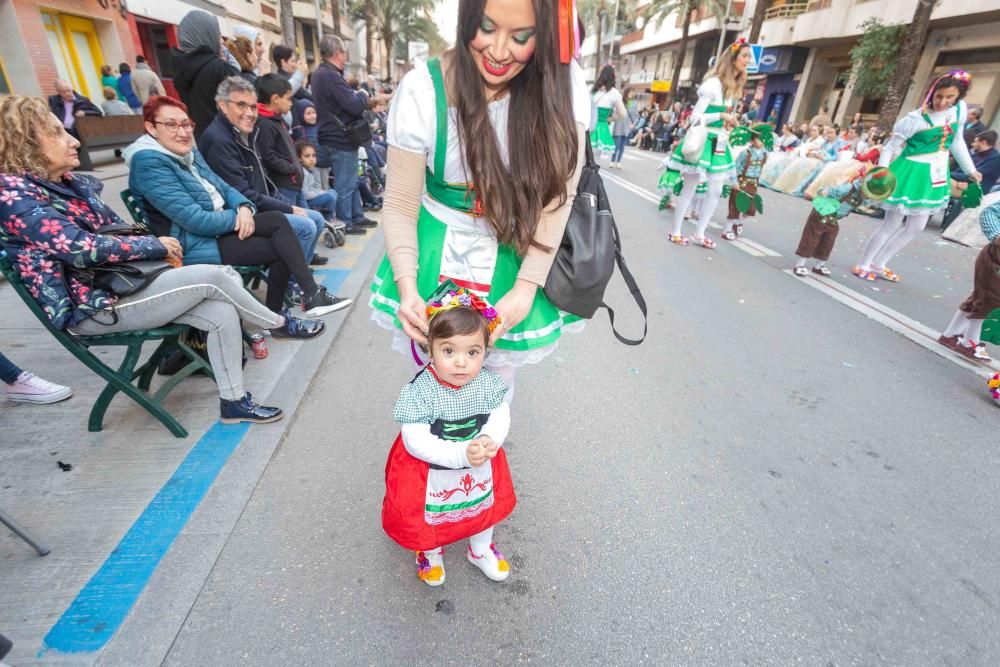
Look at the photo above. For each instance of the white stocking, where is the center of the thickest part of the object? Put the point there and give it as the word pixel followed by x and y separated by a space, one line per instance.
pixel 708 206
pixel 915 223
pixel 480 542
pixel 892 223
pixel 958 325
pixel 684 200
pixel 974 332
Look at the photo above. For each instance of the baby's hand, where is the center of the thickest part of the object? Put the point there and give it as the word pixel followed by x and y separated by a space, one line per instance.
pixel 476 453
pixel 491 446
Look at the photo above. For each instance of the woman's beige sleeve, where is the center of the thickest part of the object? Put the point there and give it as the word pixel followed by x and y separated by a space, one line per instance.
pixel 401 208
pixel 552 224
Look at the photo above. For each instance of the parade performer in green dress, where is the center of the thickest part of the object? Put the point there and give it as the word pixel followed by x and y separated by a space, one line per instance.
pixel 486 145
pixel 917 154
pixel 717 98
pixel 608 107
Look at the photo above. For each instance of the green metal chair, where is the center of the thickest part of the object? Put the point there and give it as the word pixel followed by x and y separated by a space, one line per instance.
pixel 122 379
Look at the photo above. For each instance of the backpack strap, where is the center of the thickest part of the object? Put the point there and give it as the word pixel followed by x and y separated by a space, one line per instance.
pixel 632 287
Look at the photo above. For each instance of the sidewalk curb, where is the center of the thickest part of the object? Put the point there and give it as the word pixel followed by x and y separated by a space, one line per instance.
pixel 148 632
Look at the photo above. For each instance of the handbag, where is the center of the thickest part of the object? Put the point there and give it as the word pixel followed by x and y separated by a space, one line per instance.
pixel 694 143
pixel 122 279
pixel 590 249
pixel 358 132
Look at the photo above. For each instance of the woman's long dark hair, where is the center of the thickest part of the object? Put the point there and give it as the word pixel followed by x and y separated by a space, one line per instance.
pixel 541 131
pixel 605 80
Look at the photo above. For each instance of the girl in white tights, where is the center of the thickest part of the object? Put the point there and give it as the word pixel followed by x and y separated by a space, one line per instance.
pixel 917 154
pixel 717 97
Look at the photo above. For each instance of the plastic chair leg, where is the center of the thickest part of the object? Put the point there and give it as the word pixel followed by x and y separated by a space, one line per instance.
pixel 20 531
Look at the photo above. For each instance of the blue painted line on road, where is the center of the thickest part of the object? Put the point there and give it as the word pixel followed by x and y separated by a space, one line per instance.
pixel 102 605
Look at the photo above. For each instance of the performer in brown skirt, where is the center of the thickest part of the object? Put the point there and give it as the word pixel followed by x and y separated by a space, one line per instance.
pixel 743 198
pixel 965 330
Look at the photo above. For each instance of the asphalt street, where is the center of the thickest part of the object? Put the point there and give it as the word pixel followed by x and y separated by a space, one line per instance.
pixel 772 478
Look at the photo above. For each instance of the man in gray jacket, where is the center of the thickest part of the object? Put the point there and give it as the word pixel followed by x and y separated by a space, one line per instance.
pixel 145 83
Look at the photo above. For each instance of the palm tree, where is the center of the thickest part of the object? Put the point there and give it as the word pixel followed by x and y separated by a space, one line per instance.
pixel 392 15
pixel 661 9
pixel 913 46
pixel 360 11
pixel 757 22
pixel 287 23
pixel 593 14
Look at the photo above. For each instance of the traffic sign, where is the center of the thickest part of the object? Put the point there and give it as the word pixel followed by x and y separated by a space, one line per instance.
pixel 756 50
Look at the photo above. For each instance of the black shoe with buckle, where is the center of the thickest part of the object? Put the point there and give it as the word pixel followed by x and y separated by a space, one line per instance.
pixel 318 260
pixel 298 328
pixel 322 302
pixel 245 410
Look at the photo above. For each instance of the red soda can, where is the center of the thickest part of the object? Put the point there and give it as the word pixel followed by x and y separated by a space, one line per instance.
pixel 259 346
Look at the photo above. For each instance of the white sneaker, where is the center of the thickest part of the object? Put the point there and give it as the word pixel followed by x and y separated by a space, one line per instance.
pixel 430 567
pixel 492 563
pixel 29 388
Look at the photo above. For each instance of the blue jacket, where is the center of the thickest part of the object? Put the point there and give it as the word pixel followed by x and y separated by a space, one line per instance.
pixel 46 226
pixel 335 99
pixel 238 163
pixel 988 164
pixel 167 189
pixel 125 88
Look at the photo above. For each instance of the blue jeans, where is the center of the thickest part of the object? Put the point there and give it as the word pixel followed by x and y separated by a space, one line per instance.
pixel 307 228
pixel 8 371
pixel 619 148
pixel 345 180
pixel 325 202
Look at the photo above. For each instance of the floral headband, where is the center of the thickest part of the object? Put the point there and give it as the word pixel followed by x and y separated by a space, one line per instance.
pixel 449 296
pixel 994 384
pixel 735 47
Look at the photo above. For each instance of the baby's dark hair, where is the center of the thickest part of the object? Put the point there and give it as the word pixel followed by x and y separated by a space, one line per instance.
pixel 301 146
pixel 458 321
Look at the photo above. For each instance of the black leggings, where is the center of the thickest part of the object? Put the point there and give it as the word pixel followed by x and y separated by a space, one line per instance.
pixel 275 245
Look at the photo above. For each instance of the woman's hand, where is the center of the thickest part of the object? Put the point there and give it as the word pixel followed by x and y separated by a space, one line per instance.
pixel 175 251
pixel 976 176
pixel 513 307
pixel 244 223
pixel 730 117
pixel 412 310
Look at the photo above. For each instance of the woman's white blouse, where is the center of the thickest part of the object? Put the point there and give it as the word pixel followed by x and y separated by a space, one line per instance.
pixel 914 122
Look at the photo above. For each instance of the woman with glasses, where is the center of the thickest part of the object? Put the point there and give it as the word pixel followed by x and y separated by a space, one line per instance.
pixel 53 221
pixel 214 222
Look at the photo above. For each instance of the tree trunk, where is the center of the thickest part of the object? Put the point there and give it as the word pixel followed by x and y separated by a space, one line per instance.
pixel 287 24
pixel 389 37
pixel 913 46
pixel 369 41
pixel 335 10
pixel 758 21
pixel 681 48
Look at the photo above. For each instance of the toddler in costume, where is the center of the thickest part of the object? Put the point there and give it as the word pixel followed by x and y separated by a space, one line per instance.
pixel 835 202
pixel 743 198
pixel 447 477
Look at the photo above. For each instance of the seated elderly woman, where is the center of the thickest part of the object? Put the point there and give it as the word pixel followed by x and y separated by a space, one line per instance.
pixel 214 222
pixel 53 221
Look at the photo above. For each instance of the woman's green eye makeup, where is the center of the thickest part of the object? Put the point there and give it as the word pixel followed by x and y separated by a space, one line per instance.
pixel 523 37
pixel 488 26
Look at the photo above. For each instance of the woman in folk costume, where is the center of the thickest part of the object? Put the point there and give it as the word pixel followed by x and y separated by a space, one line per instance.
pixel 608 108
pixel 717 98
pixel 778 164
pixel 494 131
pixel 917 153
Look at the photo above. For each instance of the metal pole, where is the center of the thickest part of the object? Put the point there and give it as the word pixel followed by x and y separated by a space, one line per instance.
pixel 722 30
pixel 319 21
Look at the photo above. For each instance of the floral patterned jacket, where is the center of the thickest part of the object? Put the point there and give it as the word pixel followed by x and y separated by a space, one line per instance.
pixel 46 225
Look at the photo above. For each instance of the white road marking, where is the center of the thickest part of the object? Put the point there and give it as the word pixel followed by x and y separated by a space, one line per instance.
pixel 919 333
pixel 648 156
pixel 635 189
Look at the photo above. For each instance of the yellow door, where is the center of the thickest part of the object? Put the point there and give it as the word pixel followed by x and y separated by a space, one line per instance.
pixel 77 52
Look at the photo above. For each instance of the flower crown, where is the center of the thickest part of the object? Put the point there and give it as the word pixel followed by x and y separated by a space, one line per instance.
pixel 994 384
pixel 959 74
pixel 448 296
pixel 735 47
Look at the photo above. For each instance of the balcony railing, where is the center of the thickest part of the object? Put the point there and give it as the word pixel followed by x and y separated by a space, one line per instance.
pixel 788 9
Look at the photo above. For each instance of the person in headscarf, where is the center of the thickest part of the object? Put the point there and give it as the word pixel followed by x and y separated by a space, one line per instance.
pixel 253 36
pixel 199 67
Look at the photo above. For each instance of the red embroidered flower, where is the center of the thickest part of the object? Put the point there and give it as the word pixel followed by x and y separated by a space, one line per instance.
pixel 51 226
pixel 61 243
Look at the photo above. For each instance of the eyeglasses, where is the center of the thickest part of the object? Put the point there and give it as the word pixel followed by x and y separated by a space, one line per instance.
pixel 173 126
pixel 243 107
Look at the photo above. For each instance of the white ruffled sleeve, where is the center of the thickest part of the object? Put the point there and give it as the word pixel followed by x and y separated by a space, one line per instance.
pixel 581 95
pixel 904 128
pixel 412 121
pixel 710 90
